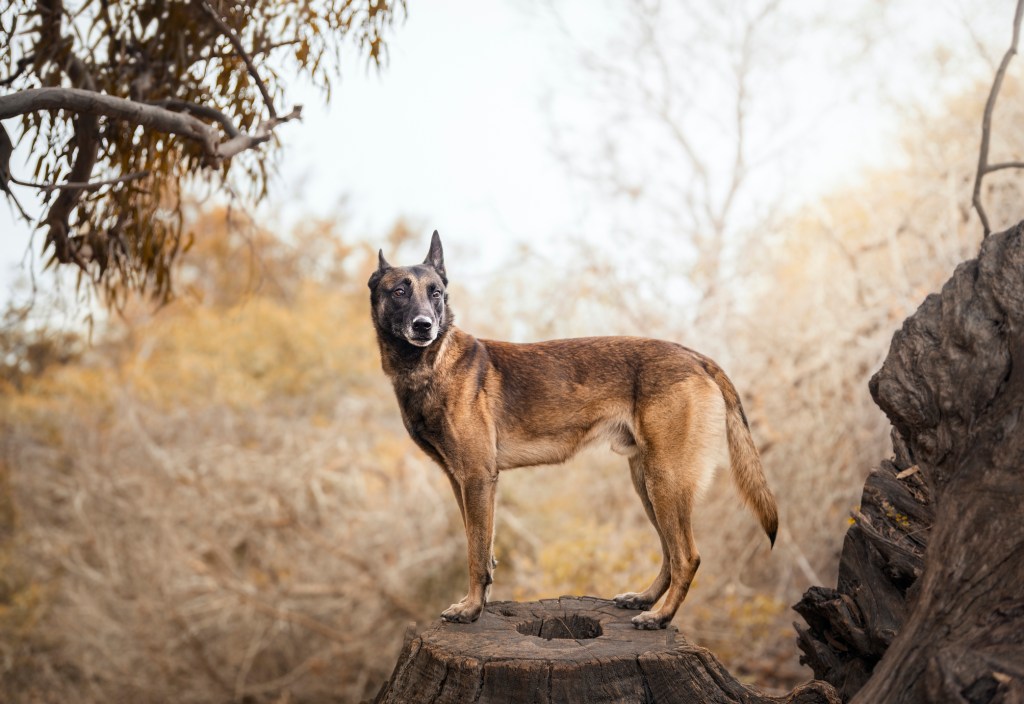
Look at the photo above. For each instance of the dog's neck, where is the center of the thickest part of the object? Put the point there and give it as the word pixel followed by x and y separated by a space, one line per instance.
pixel 413 366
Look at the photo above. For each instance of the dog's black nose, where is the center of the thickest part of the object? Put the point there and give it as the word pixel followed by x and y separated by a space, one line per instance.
pixel 422 324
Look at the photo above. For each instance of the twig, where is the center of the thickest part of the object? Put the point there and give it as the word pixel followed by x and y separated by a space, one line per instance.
pixel 82 185
pixel 1005 165
pixel 299 619
pixel 6 149
pixel 255 645
pixel 256 51
pixel 908 471
pixel 242 54
pixel 986 122
pixel 199 111
pixel 199 652
pixel 297 673
pixel 242 142
pixel 23 63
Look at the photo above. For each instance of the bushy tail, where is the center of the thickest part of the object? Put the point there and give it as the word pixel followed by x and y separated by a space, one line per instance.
pixel 746 463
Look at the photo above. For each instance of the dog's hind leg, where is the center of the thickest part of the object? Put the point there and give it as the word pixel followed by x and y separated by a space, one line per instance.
pixel 685 443
pixel 646 598
pixel 673 514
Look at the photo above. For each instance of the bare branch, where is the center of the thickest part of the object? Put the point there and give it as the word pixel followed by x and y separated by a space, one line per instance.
pixel 161 119
pixel 87 102
pixel 6 149
pixel 200 111
pixel 242 142
pixel 87 145
pixel 1004 165
pixel 986 120
pixel 242 54
pixel 82 185
pixel 23 63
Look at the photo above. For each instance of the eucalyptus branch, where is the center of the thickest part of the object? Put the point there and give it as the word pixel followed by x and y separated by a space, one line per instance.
pixel 242 54
pixel 82 185
pixel 23 63
pixel 86 126
pixel 114 93
pixel 263 132
pixel 152 116
pixel 200 111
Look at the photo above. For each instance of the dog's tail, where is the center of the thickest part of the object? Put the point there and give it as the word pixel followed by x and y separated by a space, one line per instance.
pixel 747 471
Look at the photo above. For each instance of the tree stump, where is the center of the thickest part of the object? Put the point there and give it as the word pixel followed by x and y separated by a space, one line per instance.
pixel 571 649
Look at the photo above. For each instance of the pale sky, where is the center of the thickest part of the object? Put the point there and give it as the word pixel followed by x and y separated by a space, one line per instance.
pixel 454 133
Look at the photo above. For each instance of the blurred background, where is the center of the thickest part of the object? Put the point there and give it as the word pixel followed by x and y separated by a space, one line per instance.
pixel 214 499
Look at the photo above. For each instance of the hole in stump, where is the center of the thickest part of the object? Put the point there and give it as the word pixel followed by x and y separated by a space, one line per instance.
pixel 573 626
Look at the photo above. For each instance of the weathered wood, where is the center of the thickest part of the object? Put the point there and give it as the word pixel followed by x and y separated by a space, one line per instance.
pixel 566 650
pixel 850 628
pixel 948 627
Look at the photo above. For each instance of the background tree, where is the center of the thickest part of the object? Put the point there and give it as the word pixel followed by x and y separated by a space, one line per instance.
pixel 125 104
pixel 676 89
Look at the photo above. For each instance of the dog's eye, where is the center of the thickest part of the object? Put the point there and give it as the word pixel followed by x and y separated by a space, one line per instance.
pixel 436 294
pixel 398 292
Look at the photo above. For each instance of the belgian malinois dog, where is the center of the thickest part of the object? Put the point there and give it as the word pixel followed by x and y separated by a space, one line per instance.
pixel 477 407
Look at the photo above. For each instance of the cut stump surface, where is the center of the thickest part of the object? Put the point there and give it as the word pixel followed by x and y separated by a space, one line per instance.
pixel 571 649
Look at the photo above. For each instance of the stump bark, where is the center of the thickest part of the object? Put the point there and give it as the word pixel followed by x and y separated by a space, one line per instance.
pixel 571 649
pixel 929 604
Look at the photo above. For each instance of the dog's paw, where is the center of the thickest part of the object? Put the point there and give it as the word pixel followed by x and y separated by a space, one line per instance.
pixel 649 621
pixel 463 612
pixel 633 600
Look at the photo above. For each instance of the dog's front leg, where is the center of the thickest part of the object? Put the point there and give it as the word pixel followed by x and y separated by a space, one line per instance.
pixel 478 493
pixel 457 490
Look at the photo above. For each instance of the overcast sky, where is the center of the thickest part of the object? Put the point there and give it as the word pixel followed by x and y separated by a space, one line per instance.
pixel 455 133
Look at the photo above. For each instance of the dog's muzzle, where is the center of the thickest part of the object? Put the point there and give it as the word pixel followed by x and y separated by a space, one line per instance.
pixel 423 331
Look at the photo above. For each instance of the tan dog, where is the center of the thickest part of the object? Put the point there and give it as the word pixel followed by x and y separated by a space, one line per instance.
pixel 479 406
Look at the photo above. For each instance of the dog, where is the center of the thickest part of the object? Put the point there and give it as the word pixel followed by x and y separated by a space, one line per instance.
pixel 477 407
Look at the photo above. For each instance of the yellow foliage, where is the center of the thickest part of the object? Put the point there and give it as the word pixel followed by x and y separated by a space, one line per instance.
pixel 256 351
pixel 898 518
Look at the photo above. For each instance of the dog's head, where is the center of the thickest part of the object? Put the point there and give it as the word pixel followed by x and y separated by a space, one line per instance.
pixel 410 303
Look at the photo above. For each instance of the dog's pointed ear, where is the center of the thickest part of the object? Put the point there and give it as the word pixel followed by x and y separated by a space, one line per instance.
pixel 382 266
pixel 435 257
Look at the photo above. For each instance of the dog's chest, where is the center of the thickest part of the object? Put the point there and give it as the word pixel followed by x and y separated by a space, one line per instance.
pixel 423 416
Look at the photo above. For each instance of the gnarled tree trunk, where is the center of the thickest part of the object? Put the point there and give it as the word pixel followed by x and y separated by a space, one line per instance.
pixel 930 599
